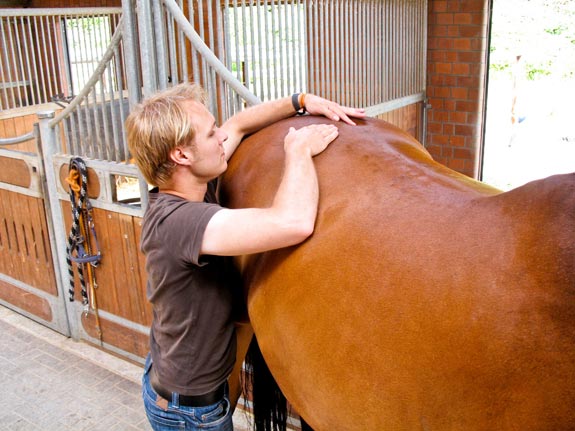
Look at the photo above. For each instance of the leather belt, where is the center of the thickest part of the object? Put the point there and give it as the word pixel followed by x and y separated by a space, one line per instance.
pixel 188 400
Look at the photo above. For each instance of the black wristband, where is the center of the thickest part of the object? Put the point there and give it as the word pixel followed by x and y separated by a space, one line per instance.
pixel 300 110
pixel 295 103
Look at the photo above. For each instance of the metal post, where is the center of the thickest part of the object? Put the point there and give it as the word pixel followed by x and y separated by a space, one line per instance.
pixel 130 40
pixel 49 149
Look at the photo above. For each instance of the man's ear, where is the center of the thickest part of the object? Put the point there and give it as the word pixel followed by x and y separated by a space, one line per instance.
pixel 182 155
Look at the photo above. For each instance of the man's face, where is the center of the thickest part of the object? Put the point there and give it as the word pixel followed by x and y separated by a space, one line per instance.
pixel 209 157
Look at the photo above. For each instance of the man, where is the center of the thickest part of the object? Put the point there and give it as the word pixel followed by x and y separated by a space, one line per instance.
pixel 186 237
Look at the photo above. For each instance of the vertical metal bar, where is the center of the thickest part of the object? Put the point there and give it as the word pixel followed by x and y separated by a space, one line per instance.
pixel 106 106
pixel 259 66
pixel 349 84
pixel 49 149
pixel 161 47
pixel 305 40
pixel 172 59
pixel 283 89
pixel 200 5
pixel 114 137
pixel 338 49
pixel 195 61
pixel 241 32
pixel 276 75
pixel 331 49
pixel 148 57
pixel 179 53
pixel 317 47
pixel 30 61
pixel 221 31
pixel 7 62
pixel 290 16
pixel 267 55
pixel 46 76
pixel 132 48
pixel 356 66
pixel 286 52
pixel 37 60
pixel 253 66
pixel 24 60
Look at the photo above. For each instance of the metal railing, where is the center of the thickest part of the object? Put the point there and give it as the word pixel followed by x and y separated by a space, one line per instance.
pixel 49 54
pixel 363 53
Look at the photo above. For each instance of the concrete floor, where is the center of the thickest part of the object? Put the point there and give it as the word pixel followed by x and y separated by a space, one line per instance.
pixel 49 382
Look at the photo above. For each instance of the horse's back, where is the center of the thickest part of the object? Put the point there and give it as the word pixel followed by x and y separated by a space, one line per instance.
pixel 424 299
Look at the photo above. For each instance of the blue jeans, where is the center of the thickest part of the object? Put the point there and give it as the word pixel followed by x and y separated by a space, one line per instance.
pixel 216 417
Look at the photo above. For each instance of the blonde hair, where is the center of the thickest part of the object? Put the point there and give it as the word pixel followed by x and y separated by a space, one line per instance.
pixel 158 125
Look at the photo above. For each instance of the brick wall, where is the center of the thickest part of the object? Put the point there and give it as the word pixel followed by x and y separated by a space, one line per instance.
pixel 456 67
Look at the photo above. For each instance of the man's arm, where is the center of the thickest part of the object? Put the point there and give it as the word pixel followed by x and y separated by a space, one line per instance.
pixel 259 116
pixel 291 218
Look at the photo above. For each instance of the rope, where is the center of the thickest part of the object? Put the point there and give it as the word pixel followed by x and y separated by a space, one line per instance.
pixel 82 231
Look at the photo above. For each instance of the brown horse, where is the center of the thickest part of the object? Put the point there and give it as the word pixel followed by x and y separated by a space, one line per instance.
pixel 424 300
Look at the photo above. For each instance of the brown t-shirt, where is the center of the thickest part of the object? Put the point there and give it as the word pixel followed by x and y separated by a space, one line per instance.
pixel 192 338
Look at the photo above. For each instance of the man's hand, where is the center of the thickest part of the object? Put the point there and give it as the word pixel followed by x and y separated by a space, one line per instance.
pixel 316 105
pixel 313 138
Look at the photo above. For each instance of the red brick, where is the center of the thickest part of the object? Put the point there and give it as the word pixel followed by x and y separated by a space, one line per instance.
pixel 462 18
pixel 440 139
pixel 444 43
pixel 458 117
pixel 462 153
pixel 433 127
pixel 449 105
pixel 475 31
pixel 468 81
pixel 465 130
pixel 448 129
pixel 438 6
pixel 451 57
pixel 453 31
pixel 468 56
pixel 462 44
pixel 444 18
pixel 436 103
pixel 438 31
pixel 460 69
pixel 459 93
pixel 440 116
pixel 458 141
pixel 443 68
pixel 472 5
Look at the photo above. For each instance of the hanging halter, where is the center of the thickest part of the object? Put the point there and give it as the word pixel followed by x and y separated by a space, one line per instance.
pixel 82 237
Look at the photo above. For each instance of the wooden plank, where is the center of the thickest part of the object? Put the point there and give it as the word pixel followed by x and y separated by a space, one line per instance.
pixel 15 172
pixel 21 247
pixel 114 260
pixel 4 240
pixel 130 252
pixel 26 301
pixel 142 268
pixel 9 129
pixel 113 333
pixel 14 270
pixel 39 244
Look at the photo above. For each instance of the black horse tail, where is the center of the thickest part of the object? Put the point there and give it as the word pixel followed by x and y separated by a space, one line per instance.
pixel 269 403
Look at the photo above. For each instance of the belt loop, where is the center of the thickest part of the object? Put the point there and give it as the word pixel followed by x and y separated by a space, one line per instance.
pixel 176 399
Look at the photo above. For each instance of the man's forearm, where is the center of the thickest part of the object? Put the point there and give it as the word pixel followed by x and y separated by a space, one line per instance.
pixel 298 194
pixel 259 116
